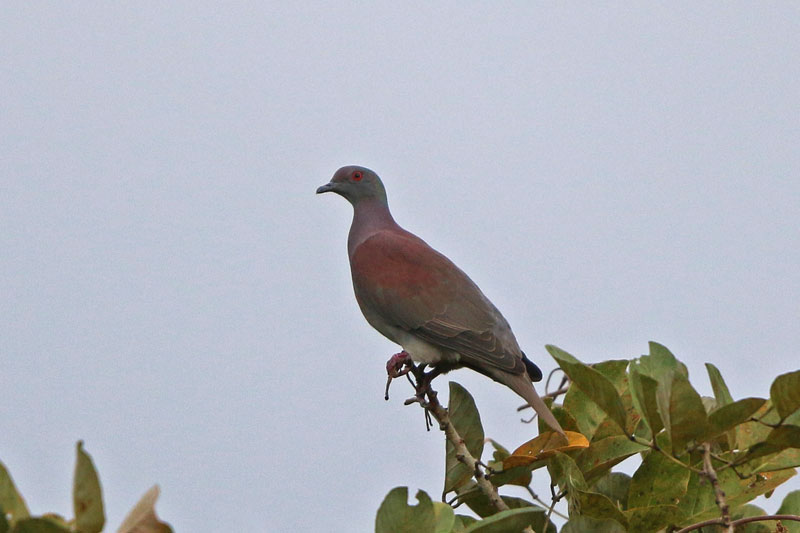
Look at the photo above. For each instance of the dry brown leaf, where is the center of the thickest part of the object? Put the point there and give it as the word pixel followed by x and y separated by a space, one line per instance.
pixel 142 518
pixel 544 446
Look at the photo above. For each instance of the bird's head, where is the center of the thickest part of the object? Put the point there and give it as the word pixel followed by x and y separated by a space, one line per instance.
pixel 355 184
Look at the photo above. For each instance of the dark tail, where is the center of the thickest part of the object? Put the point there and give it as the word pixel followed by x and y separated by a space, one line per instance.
pixel 533 371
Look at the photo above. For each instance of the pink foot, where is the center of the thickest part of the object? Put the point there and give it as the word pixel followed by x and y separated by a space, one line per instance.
pixel 399 365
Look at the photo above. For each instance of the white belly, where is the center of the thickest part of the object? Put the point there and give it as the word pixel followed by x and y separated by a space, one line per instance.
pixel 419 350
pixel 423 352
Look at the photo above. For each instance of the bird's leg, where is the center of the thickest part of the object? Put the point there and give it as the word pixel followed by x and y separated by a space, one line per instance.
pixel 422 387
pixel 398 365
pixel 424 380
pixel 423 383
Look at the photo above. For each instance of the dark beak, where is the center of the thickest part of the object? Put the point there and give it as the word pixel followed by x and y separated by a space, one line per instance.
pixel 328 187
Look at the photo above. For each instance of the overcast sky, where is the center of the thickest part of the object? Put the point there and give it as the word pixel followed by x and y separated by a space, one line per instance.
pixel 174 293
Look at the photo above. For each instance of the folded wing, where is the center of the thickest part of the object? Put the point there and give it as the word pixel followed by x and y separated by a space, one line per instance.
pixel 413 287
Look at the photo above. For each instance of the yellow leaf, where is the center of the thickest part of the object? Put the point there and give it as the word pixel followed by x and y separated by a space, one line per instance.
pixel 544 446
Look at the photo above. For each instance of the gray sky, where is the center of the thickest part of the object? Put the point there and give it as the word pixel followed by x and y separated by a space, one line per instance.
pixel 175 294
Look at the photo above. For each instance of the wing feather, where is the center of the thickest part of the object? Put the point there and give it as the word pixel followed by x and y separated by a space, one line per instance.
pixel 401 281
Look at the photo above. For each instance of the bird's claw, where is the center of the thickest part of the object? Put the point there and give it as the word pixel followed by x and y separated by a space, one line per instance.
pixel 399 365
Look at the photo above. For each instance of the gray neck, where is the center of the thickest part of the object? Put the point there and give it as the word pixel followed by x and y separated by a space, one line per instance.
pixel 370 215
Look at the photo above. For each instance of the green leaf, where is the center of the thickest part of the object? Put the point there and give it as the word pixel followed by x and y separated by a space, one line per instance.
pixel 538 524
pixel 609 428
pixel 603 454
pixel 4 527
pixel 740 491
pixel 616 372
pixel 479 503
pixel 593 383
pixel 467 421
pixel 11 501
pixel 87 496
pixel 599 506
pixel 732 414
pixel 511 521
pixel 793 419
pixel 562 415
pixel 583 524
pixel 38 525
pixel 659 362
pixel 500 451
pixel 643 390
pixel 614 486
pixel 751 433
pixel 746 511
pixel 681 411
pixel 779 439
pixel 514 476
pixel 396 516
pixel 723 397
pixel 789 458
pixel 517 475
pixel 651 518
pixel 445 517
pixel 721 392
pixel 785 393
pixel 657 481
pixel 58 520
pixel 565 473
pixel 791 505
pixel 699 503
pixel 462 522
pixel 587 414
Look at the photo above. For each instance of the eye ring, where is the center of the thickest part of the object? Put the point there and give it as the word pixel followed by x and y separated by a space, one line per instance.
pixel 357 175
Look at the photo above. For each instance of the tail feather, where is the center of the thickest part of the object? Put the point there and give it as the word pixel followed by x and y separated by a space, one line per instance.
pixel 521 384
pixel 534 372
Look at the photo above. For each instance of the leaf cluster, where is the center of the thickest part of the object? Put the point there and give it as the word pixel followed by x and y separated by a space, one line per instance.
pixel 645 408
pixel 87 504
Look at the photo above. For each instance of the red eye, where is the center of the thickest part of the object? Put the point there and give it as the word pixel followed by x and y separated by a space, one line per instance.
pixel 357 175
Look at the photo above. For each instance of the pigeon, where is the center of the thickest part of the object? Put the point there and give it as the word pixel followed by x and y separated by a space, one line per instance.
pixel 417 298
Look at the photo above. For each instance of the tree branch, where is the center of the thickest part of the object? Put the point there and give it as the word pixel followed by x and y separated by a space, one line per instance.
pixel 432 406
pixel 741 521
pixel 719 494
pixel 462 453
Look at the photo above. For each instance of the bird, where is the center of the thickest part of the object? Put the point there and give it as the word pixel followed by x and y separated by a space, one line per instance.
pixel 419 299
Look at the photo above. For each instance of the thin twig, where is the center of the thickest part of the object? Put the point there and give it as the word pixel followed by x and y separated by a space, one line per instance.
pixel 555 394
pixel 551 510
pixel 719 494
pixel 669 456
pixel 741 521
pixel 760 421
pixel 541 502
pixel 549 376
pixel 729 464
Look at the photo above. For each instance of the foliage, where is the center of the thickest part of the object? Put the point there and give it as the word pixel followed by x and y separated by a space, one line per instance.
pixel 87 503
pixel 699 458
